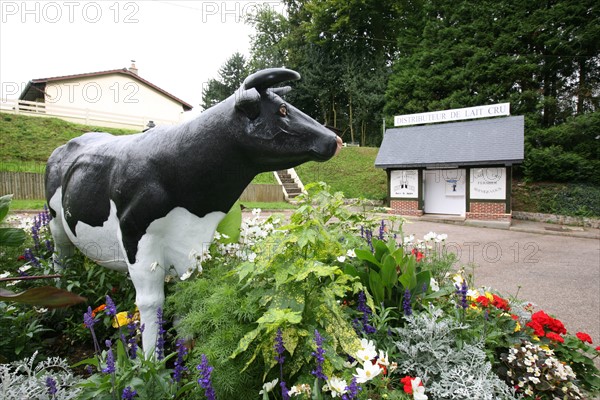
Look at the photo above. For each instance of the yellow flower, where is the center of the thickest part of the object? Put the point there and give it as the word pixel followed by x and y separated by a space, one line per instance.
pixel 517 326
pixel 489 296
pixel 121 318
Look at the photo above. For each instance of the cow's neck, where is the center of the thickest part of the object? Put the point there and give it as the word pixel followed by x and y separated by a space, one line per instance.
pixel 205 171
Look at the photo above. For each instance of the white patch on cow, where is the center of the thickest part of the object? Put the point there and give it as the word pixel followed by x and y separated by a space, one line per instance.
pixel 101 244
pixel 168 241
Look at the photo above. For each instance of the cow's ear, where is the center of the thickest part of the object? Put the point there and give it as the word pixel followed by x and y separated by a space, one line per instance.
pixel 280 91
pixel 248 101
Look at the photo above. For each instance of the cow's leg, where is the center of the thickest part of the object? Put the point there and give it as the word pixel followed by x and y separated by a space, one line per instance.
pixel 63 247
pixel 148 277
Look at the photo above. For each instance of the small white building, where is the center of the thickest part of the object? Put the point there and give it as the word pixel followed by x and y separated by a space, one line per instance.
pixel 118 97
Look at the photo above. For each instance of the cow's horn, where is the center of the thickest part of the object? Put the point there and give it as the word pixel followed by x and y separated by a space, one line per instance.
pixel 266 78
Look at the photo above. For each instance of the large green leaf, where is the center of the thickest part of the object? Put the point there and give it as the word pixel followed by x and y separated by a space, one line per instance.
pixel 376 286
pixel 4 205
pixel 366 255
pixel 12 237
pixel 230 225
pixel 45 296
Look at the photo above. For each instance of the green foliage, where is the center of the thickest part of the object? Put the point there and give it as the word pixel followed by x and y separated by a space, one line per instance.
pixel 42 136
pixel 351 172
pixel 9 237
pixel 217 313
pixel 20 329
pixel 427 347
pixel 149 377
pixel 231 75
pixel 300 284
pixel 577 200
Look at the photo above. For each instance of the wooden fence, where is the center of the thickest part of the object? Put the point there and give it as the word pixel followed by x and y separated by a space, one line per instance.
pixel 23 185
pixel 30 186
pixel 79 115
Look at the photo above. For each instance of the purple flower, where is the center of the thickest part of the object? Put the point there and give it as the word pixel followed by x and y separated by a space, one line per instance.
pixel 279 348
pixel 461 291
pixel 284 391
pixel 204 381
pixel 160 341
pixel 319 356
pixel 351 390
pixel 128 393
pixel 382 230
pixel 111 309
pixel 30 258
pixel 180 368
pixel 362 307
pixel 406 305
pixel 51 385
pixel 110 359
pixel 88 319
pixel 132 341
pixel 49 246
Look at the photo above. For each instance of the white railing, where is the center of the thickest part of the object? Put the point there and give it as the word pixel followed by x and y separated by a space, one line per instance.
pixel 79 115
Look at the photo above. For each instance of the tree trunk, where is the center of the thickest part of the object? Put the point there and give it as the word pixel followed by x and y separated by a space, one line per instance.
pixel 350 119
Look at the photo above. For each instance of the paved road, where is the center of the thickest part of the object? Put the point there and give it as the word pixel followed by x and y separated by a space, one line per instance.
pixel 559 274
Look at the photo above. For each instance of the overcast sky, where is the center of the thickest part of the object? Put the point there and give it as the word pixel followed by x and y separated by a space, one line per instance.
pixel 177 45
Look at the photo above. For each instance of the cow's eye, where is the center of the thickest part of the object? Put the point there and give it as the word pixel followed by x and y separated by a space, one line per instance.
pixel 282 110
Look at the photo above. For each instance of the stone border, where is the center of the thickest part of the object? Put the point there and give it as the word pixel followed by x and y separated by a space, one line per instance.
pixel 557 219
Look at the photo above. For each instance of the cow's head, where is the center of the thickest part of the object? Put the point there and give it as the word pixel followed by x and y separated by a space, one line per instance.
pixel 277 135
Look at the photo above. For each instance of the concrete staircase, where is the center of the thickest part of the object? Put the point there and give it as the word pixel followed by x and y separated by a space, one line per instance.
pixel 290 185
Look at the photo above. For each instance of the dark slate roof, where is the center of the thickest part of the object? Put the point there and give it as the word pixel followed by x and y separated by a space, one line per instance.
pixel 484 141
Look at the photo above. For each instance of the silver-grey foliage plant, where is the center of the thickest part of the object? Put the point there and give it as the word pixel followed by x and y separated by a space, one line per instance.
pixel 428 349
pixel 22 380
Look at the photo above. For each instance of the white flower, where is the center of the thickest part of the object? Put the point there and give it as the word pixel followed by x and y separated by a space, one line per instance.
pixel 440 238
pixel 187 274
pixel 368 372
pixel 350 253
pixel 434 285
pixel 298 390
pixel 341 259
pixel 409 239
pixel 269 386
pixel 367 351
pixel 5 274
pixel 251 257
pixel 348 364
pixel 418 390
pixel 337 386
pixel 383 358
pixel 430 236
pixel 256 212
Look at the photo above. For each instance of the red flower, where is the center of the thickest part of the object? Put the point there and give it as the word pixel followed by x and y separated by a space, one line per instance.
pixel 555 337
pixel 484 301
pixel 500 303
pixel 584 337
pixel 515 317
pixel 598 348
pixel 537 328
pixel 406 381
pixel 418 254
pixel 21 258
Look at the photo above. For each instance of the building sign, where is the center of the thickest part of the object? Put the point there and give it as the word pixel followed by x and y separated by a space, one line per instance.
pixel 455 181
pixel 459 114
pixel 404 183
pixel 488 183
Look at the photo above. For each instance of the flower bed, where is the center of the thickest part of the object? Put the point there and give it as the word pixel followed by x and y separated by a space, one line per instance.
pixel 330 305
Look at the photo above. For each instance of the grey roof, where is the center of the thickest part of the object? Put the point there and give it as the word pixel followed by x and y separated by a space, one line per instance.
pixel 477 142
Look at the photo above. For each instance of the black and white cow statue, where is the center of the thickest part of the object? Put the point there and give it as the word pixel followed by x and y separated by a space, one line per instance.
pixel 143 203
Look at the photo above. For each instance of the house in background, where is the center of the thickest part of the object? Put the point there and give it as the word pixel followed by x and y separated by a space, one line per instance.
pixel 118 97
